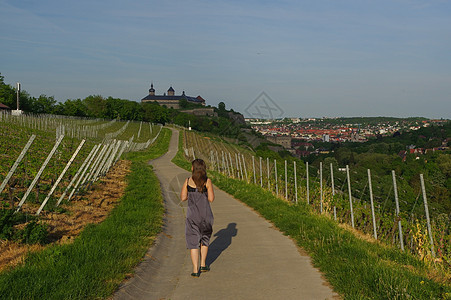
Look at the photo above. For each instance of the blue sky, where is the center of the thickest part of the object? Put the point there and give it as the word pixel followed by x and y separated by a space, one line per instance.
pixel 313 58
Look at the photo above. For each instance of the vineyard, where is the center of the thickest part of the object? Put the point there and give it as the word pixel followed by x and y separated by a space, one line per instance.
pixel 329 191
pixel 48 165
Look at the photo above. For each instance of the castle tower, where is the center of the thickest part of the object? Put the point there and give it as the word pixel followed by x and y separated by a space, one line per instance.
pixel 151 90
pixel 171 91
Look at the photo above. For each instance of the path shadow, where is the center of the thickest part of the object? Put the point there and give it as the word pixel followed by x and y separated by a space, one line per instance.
pixel 221 243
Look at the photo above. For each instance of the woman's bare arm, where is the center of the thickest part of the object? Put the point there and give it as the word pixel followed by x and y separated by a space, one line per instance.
pixel 184 192
pixel 211 193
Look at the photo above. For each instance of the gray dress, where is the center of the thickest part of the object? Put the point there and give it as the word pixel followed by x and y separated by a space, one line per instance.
pixel 199 219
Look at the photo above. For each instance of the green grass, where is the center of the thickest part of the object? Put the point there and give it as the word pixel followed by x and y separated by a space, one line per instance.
pixel 356 269
pixel 100 258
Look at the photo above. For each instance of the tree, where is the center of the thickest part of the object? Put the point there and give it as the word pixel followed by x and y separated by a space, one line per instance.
pixel 44 105
pixel 183 103
pixel 96 106
pixel 155 113
pixel 70 107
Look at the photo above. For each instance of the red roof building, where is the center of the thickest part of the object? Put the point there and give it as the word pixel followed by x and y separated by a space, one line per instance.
pixel 3 106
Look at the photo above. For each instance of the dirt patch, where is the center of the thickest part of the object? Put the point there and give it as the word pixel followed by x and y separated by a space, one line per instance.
pixel 91 208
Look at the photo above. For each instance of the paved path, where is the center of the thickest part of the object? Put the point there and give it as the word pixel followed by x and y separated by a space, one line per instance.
pixel 249 259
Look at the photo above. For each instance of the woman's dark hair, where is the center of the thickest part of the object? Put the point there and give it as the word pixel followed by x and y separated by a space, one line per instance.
pixel 199 175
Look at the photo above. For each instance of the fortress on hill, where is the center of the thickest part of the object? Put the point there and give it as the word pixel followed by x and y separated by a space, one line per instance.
pixel 170 99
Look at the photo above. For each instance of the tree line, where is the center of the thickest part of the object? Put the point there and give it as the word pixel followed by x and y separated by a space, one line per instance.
pixel 97 106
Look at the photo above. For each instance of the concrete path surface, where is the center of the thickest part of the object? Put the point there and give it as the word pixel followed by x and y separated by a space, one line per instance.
pixel 249 259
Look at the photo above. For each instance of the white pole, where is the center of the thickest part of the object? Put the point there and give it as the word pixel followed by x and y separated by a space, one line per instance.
pixel 275 176
pixel 78 173
pixel 308 184
pixel 244 167
pixel 350 195
pixel 36 178
pixel 253 169
pixel 17 162
pixel 295 184
pixel 401 241
pixel 231 165
pixel 60 177
pixel 321 186
pixel 261 173
pixel 333 189
pixel 332 179
pixel 286 181
pixel 372 203
pixel 426 209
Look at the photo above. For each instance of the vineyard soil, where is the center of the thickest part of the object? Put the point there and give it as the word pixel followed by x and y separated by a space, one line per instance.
pixel 91 208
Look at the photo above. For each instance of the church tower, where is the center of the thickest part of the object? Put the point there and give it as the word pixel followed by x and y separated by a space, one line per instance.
pixel 171 91
pixel 151 90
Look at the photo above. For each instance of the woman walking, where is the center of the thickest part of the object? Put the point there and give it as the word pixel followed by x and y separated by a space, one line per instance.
pixel 198 190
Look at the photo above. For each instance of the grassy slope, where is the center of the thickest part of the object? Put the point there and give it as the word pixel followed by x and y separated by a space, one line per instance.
pixel 102 256
pixel 356 269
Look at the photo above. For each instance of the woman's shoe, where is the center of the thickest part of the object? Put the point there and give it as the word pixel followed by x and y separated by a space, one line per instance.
pixel 195 274
pixel 205 269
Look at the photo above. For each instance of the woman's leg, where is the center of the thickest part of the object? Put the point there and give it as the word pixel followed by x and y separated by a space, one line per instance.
pixel 203 255
pixel 195 260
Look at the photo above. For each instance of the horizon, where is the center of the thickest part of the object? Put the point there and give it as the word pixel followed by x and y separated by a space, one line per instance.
pixel 350 58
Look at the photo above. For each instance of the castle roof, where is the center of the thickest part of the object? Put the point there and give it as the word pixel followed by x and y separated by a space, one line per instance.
pixel 164 97
pixel 171 96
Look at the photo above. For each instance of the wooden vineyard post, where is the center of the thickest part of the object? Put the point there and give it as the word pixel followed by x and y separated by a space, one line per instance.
pixel 286 181
pixel 275 176
pixel 231 165
pixel 308 185
pixel 244 167
pixel 17 162
pixel 426 209
pixel 261 172
pixel 223 163
pixel 295 183
pixel 267 170
pixel 110 161
pixel 103 169
pixel 253 169
pixel 60 177
pixel 82 175
pixel 350 195
pixel 372 204
pixel 36 178
pixel 321 186
pixel 227 164
pixel 395 189
pixel 99 162
pixel 77 174
pixel 333 189
pixel 139 131
pixel 212 163
pixel 124 145
pixel 218 161
pixel 238 165
pixel 332 179
pixel 226 161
